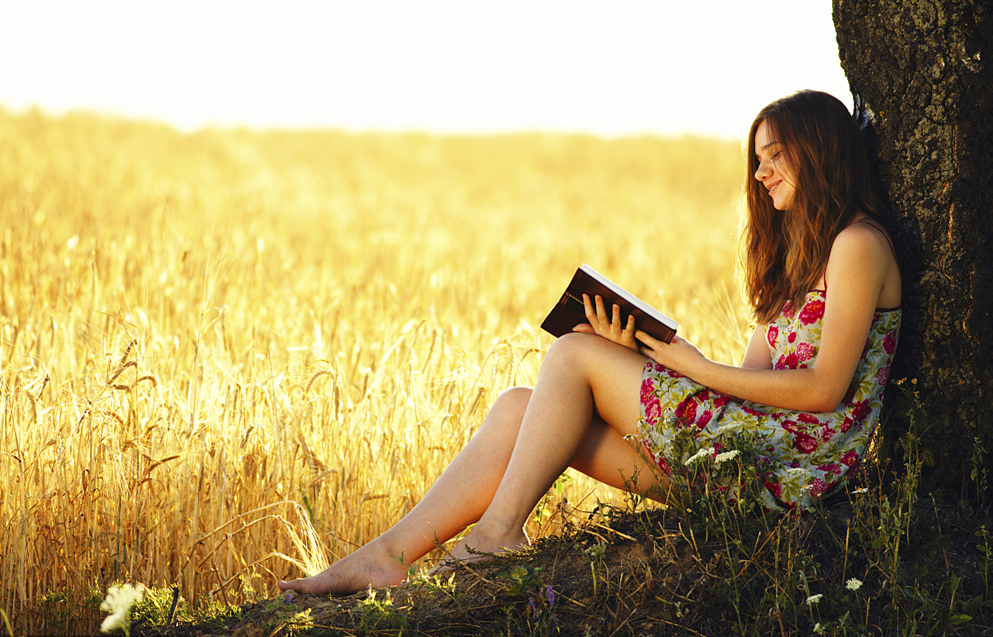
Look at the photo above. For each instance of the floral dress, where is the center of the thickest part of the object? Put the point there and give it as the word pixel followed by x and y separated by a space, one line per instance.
pixel 797 455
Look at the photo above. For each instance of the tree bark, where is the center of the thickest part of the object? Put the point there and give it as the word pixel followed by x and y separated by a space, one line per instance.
pixel 925 69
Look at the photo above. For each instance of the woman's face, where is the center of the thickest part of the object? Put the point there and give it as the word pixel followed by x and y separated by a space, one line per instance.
pixel 773 172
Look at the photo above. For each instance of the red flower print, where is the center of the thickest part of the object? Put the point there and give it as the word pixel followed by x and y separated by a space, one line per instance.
pixel 846 425
pixel 686 411
pixel 810 419
pixel 889 343
pixel 827 433
pixel 804 443
pixel 790 426
pixel 850 459
pixel 704 419
pixel 775 488
pixel 861 410
pixel 653 410
pixel 788 311
pixel 791 361
pixel 805 351
pixel 721 401
pixel 792 337
pixel 771 335
pixel 811 312
pixel 830 467
pixel 882 376
pixel 780 363
pixel 664 466
pixel 818 487
pixel 647 389
pixel 659 460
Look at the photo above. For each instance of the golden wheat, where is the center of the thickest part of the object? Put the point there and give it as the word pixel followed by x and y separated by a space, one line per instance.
pixel 212 341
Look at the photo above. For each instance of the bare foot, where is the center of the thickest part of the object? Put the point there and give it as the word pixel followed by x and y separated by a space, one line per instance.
pixel 480 545
pixel 357 571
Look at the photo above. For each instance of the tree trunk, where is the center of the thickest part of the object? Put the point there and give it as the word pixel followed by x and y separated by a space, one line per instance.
pixel 925 69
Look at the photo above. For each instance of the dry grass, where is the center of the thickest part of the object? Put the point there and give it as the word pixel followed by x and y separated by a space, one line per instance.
pixel 206 337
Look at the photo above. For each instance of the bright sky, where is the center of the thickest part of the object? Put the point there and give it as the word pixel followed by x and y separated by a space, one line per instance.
pixel 610 68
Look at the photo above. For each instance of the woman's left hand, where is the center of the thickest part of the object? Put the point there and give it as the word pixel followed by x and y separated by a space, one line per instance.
pixel 680 355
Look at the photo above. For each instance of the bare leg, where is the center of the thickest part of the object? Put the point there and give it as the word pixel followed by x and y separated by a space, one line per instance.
pixel 582 376
pixel 467 487
pixel 455 501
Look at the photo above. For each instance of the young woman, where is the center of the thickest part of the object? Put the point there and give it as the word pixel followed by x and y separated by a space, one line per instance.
pixel 824 285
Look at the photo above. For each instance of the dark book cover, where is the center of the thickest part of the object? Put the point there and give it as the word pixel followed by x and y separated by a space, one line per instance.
pixel 569 311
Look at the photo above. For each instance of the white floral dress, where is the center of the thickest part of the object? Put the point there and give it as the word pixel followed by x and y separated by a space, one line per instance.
pixel 798 455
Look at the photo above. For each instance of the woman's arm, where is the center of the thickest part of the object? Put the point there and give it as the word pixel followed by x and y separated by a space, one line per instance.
pixel 757 355
pixel 858 267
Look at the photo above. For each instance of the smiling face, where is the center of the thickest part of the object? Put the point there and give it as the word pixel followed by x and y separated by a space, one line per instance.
pixel 773 171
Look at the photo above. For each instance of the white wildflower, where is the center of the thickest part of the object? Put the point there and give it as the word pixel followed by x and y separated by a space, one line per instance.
pixel 119 601
pixel 702 453
pixel 813 599
pixel 818 628
pixel 730 426
pixel 860 491
pixel 853 584
pixel 727 455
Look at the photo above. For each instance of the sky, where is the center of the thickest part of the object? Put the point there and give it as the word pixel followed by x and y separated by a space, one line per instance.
pixel 614 68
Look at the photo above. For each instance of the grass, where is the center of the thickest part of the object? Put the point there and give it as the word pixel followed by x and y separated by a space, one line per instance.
pixel 873 560
pixel 672 572
pixel 228 351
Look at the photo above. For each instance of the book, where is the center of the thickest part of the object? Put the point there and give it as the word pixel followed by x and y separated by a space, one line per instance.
pixel 570 312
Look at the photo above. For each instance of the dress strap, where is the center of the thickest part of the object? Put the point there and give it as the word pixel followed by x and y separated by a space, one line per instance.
pixel 872 223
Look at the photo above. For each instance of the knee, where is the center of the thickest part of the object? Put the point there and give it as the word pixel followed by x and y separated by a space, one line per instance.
pixel 513 401
pixel 506 414
pixel 570 348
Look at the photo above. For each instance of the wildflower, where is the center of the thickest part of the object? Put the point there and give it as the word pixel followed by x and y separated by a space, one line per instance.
pixel 860 491
pixel 813 599
pixel 727 455
pixel 119 601
pixel 853 584
pixel 551 596
pixel 702 453
pixel 818 628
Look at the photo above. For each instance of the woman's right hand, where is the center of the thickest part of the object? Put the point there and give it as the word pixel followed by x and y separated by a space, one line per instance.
pixel 608 327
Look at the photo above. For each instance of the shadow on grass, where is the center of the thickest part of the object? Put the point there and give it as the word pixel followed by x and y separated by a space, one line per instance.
pixel 865 563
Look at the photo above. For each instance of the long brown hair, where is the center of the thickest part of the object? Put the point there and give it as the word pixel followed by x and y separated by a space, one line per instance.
pixel 786 252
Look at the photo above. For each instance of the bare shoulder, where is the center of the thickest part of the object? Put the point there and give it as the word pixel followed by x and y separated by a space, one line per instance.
pixel 865 238
pixel 864 250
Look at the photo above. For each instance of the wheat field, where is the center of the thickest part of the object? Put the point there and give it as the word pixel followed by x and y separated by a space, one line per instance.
pixel 215 341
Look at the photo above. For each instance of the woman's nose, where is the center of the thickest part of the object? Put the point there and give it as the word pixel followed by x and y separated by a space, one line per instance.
pixel 762 171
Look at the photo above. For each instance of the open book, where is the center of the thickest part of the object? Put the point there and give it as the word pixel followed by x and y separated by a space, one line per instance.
pixel 570 312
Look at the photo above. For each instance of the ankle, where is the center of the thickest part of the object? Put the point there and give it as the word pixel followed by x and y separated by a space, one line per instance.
pixel 380 550
pixel 498 528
